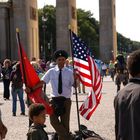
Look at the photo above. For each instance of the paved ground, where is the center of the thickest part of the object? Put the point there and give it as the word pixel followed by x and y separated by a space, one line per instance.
pixel 102 121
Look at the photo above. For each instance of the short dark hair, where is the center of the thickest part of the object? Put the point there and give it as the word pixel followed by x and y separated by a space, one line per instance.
pixel 133 63
pixel 35 109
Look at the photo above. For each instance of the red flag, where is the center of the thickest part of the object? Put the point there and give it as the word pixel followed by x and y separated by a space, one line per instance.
pixel 89 75
pixel 31 78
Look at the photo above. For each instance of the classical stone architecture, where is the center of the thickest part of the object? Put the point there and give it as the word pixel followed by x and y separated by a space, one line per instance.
pixel 23 14
pixel 20 14
pixel 4 29
pixel 65 16
pixel 108 36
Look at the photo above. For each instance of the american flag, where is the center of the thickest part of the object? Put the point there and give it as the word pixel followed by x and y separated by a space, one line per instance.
pixel 88 74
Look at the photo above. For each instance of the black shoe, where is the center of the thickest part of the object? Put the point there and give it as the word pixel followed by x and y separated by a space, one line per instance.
pixel 22 113
pixel 6 99
pixel 72 136
pixel 54 136
pixel 14 114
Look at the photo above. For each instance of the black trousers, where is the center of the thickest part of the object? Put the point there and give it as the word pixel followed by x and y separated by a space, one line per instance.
pixel 61 124
pixel 6 84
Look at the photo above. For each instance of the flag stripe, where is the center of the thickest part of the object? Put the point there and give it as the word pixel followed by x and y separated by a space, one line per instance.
pixel 82 70
pixel 91 112
pixel 84 75
pixel 88 75
pixel 81 63
pixel 85 81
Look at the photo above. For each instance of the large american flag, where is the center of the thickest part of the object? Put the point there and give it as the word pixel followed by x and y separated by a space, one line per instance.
pixel 88 74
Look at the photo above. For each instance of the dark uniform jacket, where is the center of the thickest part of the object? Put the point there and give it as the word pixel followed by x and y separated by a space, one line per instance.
pixel 127 111
pixel 37 132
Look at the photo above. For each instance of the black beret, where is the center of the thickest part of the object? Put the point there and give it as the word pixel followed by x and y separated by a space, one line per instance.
pixel 60 53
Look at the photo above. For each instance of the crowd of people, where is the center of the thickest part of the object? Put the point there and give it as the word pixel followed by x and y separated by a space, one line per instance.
pixel 62 78
pixel 117 70
pixel 11 73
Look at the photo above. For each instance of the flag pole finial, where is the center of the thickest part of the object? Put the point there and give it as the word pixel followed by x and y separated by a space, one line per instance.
pixel 69 27
pixel 17 30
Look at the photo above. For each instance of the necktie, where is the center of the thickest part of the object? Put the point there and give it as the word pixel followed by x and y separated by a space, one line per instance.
pixel 60 82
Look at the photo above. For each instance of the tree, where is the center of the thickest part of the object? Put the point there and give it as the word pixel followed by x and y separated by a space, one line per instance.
pixel 88 30
pixel 50 29
pixel 125 45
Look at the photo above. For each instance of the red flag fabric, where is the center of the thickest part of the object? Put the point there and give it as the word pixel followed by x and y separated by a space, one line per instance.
pixel 89 75
pixel 31 78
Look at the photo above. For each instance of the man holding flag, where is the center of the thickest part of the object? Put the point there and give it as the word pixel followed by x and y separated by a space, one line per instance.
pixel 62 80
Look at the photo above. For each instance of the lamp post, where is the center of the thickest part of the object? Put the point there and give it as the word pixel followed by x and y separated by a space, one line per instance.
pixel 44 19
pixel 112 52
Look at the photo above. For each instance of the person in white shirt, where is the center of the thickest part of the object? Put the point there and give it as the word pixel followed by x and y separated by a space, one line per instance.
pixel 62 80
pixel 104 68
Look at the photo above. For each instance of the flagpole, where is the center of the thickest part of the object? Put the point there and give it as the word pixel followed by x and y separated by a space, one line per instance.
pixel 21 55
pixel 75 85
pixel 23 71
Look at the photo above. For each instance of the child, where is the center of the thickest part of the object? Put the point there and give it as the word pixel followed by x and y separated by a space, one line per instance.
pixel 37 114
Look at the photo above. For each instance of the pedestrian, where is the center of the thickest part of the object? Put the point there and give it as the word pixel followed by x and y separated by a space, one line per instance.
pixel 79 86
pixel 62 80
pixel 127 103
pixel 104 69
pixel 42 65
pixel 35 65
pixel 17 89
pixel 3 129
pixel 6 72
pixel 112 69
pixel 37 114
pixel 0 69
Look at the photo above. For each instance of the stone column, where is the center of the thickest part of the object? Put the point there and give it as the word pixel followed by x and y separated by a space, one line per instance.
pixel 24 16
pixel 65 16
pixel 108 37
pixel 4 28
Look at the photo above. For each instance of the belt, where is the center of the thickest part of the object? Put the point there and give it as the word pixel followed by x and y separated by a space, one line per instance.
pixel 61 97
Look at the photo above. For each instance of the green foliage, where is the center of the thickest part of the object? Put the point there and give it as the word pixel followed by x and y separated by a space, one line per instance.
pixel 88 30
pixel 125 45
pixel 49 29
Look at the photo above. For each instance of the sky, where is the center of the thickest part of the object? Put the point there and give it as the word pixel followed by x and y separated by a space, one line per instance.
pixel 127 14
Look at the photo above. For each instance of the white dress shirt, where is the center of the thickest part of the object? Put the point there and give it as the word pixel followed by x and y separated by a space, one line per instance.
pixel 67 81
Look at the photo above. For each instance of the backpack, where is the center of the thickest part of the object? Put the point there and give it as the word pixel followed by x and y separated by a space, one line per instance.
pixel 87 134
pixel 91 134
